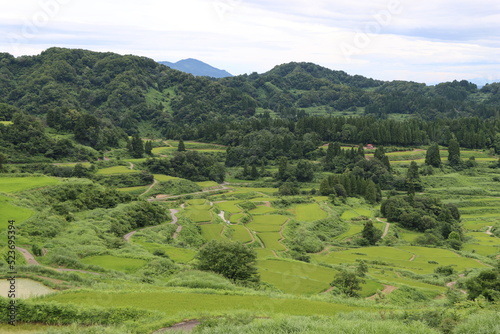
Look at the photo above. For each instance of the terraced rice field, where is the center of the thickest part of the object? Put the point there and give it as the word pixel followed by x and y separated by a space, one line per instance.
pixel 116 170
pixel 175 304
pixel 262 210
pixel 241 234
pixel 180 255
pixel 295 277
pixel 308 212
pixel 212 232
pixel 356 212
pixel 124 264
pixel 230 206
pixel 199 211
pixel 162 178
pixel 10 211
pixel 17 184
pixel 271 240
pixel 416 259
pixel 267 223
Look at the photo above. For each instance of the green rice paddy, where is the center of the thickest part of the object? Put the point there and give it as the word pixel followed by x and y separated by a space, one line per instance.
pixel 241 234
pixel 177 303
pixel 127 265
pixel 271 240
pixel 10 211
pixel 212 231
pixel 17 184
pixel 117 170
pixel 308 212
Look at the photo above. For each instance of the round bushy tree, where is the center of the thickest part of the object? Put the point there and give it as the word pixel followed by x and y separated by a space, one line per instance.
pixel 232 260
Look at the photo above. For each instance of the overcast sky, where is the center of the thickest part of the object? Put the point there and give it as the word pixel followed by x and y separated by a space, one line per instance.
pixel 425 41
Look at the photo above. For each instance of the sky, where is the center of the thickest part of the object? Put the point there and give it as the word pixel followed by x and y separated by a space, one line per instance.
pixel 423 41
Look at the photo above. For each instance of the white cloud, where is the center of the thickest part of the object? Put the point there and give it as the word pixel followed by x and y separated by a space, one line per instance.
pixel 414 40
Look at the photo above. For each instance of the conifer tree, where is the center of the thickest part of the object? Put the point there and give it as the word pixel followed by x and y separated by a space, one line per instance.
pixel 432 157
pixel 137 146
pixel 454 152
pixel 148 148
pixel 181 147
pixel 254 174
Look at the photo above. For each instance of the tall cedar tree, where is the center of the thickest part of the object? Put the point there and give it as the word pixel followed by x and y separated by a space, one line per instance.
pixel 432 156
pixel 413 182
pixel 454 152
pixel 380 155
pixel 137 146
pixel 148 147
pixel 181 147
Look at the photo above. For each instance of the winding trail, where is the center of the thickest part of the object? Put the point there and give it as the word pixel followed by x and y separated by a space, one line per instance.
pixel 386 229
pixel 185 326
pixel 131 165
pixel 155 181
pixel 387 289
pixel 488 232
pixel 30 259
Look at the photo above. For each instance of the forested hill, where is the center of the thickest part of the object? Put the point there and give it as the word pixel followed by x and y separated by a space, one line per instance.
pixel 129 89
pixel 100 98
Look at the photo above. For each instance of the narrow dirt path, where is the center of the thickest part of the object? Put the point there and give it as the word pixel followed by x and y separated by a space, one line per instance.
pixel 387 289
pixel 30 259
pixel 185 326
pixel 330 289
pixel 386 229
pixel 177 231
pixel 488 232
pixel 413 257
pixel 155 181
pixel 131 165
pixel 282 236
pixel 221 215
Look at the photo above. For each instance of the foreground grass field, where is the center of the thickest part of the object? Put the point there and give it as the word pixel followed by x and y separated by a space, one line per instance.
pixel 176 303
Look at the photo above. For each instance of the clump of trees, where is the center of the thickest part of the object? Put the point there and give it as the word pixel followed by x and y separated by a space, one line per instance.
pixel 232 260
pixel 190 165
pixel 349 185
pixel 441 222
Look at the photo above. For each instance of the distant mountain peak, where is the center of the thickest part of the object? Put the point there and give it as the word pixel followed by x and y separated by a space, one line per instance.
pixel 197 67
